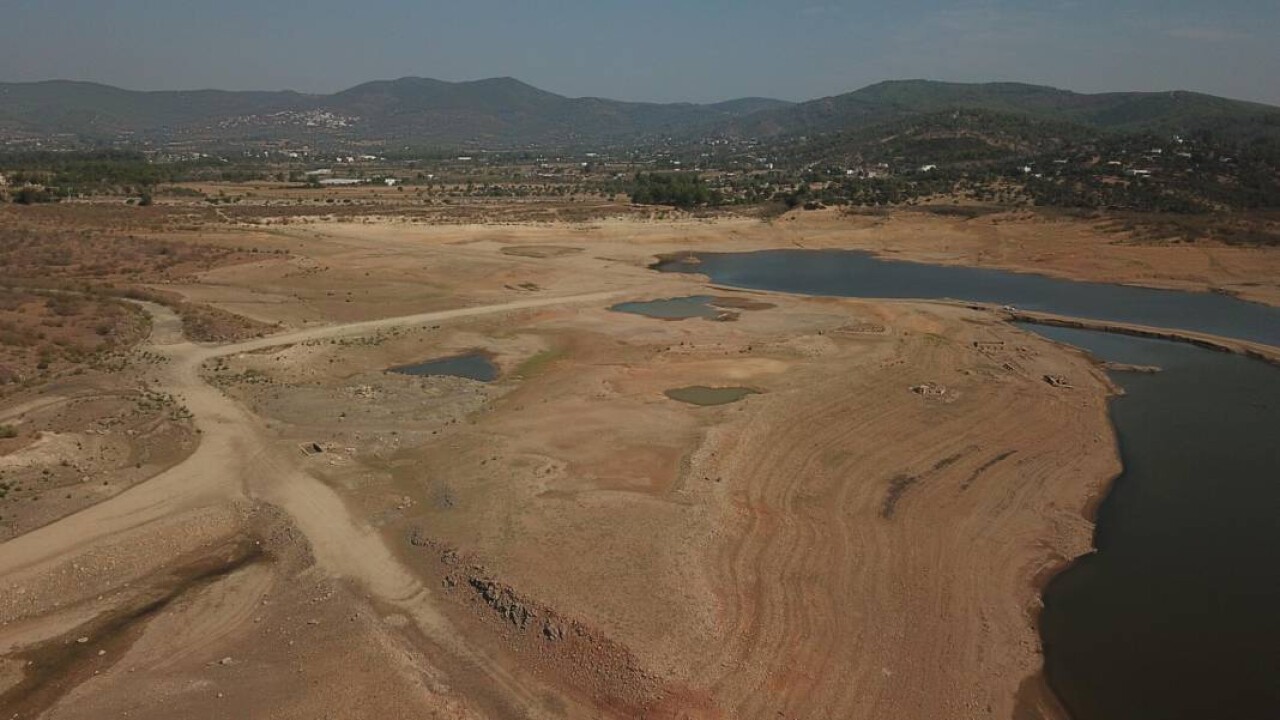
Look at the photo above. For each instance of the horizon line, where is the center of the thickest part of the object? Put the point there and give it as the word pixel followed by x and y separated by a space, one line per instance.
pixel 617 99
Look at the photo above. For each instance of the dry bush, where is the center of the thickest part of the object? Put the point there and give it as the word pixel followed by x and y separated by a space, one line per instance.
pixel 55 248
pixel 64 270
pixel 201 323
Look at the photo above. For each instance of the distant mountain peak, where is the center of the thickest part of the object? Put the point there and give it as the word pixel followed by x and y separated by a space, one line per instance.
pixel 1177 111
pixel 407 110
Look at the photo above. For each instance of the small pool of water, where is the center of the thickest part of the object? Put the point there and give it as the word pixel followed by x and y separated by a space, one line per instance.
pixel 677 308
pixel 540 251
pixel 474 366
pixel 709 307
pixel 707 396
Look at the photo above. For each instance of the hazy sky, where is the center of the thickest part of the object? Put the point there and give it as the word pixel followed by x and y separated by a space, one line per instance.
pixel 662 50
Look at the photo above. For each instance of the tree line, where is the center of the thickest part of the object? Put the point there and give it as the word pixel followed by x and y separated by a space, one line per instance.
pixel 682 190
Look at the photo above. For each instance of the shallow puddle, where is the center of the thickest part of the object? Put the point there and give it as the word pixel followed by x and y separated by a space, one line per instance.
pixel 677 308
pixel 706 396
pixel 540 251
pixel 709 307
pixel 474 366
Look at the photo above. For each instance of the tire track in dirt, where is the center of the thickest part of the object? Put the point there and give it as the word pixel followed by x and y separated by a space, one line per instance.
pixel 830 609
pixel 236 459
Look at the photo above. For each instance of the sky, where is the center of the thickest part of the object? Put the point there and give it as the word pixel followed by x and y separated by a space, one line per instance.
pixel 656 50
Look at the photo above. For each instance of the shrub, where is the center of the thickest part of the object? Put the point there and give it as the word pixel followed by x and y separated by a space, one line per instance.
pixel 32 195
pixel 682 191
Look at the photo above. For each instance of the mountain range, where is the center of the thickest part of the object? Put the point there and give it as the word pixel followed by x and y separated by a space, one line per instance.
pixel 505 113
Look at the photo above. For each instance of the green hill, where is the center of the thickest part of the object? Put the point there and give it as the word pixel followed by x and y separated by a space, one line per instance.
pixel 504 112
pixel 1168 112
pixel 420 111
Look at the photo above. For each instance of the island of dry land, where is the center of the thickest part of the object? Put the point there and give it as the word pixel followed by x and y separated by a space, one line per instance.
pixel 216 502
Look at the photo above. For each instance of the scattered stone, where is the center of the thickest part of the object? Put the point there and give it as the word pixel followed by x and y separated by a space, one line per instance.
pixel 504 601
pixel 553 631
pixel 418 537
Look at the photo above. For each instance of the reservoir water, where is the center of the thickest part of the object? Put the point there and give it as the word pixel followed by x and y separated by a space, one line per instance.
pixel 858 274
pixel 1177 615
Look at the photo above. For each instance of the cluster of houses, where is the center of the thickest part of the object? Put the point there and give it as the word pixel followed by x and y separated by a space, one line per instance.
pixel 325 178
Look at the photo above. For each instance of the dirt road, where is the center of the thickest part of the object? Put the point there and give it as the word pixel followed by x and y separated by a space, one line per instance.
pixel 236 461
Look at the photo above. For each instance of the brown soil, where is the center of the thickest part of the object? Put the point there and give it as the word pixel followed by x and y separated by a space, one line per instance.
pixel 865 538
pixel 45 335
pixel 67 266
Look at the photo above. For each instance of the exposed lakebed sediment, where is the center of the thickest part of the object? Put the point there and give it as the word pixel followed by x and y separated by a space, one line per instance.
pixel 1173 616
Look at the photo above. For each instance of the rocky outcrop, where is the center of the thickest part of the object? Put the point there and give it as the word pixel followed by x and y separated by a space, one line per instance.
pixel 559 646
pixel 504 602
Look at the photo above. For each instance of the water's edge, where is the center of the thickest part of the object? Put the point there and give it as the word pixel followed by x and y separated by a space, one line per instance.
pixel 1038 697
pixel 662 259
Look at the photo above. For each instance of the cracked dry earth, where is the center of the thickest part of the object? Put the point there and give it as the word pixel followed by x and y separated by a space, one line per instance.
pixel 864 537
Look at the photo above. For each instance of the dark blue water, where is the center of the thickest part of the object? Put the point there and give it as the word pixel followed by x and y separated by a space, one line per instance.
pixel 1177 615
pixel 859 274
pixel 475 366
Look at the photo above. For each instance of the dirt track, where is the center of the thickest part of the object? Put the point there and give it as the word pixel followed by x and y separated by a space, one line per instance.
pixel 233 454
pixel 235 462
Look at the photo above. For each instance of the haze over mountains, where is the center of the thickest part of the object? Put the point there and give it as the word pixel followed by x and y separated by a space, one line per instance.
pixel 414 111
pixel 504 112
